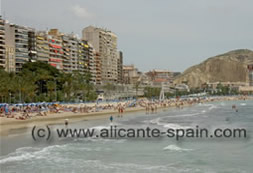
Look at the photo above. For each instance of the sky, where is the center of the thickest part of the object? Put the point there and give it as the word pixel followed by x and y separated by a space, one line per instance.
pixel 152 34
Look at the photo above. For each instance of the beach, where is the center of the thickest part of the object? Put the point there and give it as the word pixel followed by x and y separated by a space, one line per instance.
pixel 6 124
pixel 9 124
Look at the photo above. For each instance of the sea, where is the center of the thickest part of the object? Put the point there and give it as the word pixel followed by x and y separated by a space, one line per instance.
pixel 20 153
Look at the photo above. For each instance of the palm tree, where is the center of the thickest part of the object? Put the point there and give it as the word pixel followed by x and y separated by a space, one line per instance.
pixel 51 86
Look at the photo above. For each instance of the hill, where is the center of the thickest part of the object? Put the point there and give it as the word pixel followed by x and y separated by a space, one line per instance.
pixel 228 67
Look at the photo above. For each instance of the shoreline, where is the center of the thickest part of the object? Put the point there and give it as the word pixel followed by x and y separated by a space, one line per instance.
pixel 7 126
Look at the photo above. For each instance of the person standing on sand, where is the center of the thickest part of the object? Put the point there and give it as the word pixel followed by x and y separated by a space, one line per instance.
pixel 147 109
pixel 6 110
pixel 121 110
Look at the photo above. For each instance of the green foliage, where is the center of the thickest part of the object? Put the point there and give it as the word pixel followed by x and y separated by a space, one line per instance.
pixel 224 90
pixel 38 81
pixel 150 92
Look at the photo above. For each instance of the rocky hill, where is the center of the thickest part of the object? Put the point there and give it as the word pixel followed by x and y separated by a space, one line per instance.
pixel 228 67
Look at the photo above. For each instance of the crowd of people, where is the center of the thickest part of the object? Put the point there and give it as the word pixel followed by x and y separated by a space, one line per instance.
pixel 26 111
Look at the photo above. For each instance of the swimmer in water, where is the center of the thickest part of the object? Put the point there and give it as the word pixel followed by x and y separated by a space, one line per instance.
pixel 66 122
pixel 111 118
pixel 233 106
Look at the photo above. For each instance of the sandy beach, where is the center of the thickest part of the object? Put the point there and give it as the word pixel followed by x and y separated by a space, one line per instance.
pixel 8 125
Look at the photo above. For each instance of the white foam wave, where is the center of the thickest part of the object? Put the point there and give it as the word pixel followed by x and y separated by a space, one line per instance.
pixel 243 104
pixel 100 127
pixel 188 115
pixel 212 107
pixel 175 126
pixel 101 140
pixel 157 122
pixel 28 153
pixel 175 148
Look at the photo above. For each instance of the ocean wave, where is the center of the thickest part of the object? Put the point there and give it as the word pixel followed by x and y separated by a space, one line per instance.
pixel 133 166
pixel 21 157
pixel 175 148
pixel 156 122
pixel 175 126
pixel 100 127
pixel 212 107
pixel 243 104
pixel 29 153
pixel 100 140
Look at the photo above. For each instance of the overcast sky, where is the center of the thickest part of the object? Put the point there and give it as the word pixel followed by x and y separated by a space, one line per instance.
pixel 164 34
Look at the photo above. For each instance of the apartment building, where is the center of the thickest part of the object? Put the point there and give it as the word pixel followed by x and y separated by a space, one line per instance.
pixel 96 53
pixel 10 48
pixel 71 53
pixel 2 44
pixel 81 57
pixel 98 67
pixel 42 46
pixel 120 67
pixel 105 43
pixel 21 46
pixel 32 45
pixel 130 74
pixel 159 76
pixel 92 64
pixel 55 49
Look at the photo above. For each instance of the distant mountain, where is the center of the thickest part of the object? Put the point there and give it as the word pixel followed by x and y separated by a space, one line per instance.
pixel 228 67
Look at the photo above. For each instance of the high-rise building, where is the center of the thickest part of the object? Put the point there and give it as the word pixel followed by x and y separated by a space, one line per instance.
pixel 92 63
pixel 120 67
pixel 2 43
pixel 71 59
pixel 105 43
pixel 81 57
pixel 32 45
pixel 55 49
pixel 95 53
pixel 21 46
pixel 42 46
pixel 10 48
pixel 98 67
pixel 68 53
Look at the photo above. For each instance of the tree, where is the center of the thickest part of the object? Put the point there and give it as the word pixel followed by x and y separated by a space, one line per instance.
pixel 150 92
pixel 39 81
